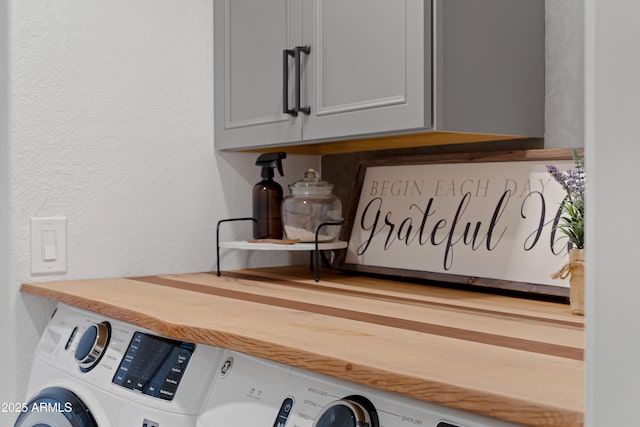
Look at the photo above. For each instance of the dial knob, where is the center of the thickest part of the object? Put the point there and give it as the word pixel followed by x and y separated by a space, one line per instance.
pixel 351 411
pixel 92 345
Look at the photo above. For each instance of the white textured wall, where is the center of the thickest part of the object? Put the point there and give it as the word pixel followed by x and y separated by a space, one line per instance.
pixel 111 126
pixel 6 323
pixel 564 73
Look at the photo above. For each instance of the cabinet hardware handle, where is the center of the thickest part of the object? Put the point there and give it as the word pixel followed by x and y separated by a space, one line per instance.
pixel 298 50
pixel 286 53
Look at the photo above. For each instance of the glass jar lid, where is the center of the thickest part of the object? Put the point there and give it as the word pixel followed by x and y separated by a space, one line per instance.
pixel 311 184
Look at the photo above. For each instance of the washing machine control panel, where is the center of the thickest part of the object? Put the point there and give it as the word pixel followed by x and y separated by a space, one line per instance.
pixel 153 365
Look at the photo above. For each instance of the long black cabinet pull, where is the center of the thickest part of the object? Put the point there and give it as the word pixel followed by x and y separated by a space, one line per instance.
pixel 298 51
pixel 286 53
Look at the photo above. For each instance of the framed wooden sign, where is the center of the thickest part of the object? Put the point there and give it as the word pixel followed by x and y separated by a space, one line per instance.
pixel 485 219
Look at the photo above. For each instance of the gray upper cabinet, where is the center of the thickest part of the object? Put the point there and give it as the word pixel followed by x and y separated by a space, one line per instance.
pixel 249 39
pixel 366 69
pixel 355 68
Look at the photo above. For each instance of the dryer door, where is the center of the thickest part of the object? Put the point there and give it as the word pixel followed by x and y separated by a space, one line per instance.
pixel 56 407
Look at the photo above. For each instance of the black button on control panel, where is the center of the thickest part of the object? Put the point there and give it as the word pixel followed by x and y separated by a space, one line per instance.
pixel 154 365
pixel 283 414
pixel 71 337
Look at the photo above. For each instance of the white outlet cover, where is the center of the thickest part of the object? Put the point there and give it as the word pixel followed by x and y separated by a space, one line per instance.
pixel 48 245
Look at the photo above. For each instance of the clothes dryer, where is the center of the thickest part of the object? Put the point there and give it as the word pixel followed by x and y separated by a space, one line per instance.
pixel 249 391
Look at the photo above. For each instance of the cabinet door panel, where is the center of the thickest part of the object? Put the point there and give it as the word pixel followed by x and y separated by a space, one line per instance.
pixel 366 71
pixel 249 41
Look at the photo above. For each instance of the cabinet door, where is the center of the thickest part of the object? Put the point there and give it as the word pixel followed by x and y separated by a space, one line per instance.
pixel 369 69
pixel 249 39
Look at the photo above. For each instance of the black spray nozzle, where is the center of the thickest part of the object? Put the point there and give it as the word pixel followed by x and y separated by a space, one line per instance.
pixel 269 161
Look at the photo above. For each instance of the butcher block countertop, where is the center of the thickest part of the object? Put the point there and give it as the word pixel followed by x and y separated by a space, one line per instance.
pixel 515 359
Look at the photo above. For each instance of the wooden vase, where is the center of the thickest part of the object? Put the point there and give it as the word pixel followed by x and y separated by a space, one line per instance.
pixel 576 281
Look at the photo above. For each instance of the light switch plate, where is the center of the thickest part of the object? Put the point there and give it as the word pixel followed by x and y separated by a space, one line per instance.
pixel 48 245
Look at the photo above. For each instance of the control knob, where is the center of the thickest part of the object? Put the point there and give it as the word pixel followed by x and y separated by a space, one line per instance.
pixel 92 345
pixel 350 411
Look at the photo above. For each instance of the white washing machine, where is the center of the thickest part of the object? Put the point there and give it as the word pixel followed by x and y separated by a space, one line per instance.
pixel 251 392
pixel 92 371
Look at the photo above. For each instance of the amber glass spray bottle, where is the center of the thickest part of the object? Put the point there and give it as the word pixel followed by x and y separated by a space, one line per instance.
pixel 267 198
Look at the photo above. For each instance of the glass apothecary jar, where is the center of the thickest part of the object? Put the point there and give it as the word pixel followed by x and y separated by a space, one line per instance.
pixel 310 204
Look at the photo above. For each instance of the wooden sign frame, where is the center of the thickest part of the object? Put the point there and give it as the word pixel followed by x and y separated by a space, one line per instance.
pixel 434 217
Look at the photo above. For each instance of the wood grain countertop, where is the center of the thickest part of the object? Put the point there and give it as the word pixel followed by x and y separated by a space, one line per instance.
pixel 514 359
